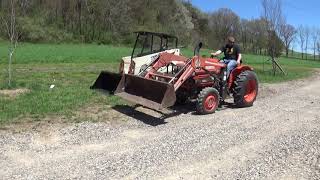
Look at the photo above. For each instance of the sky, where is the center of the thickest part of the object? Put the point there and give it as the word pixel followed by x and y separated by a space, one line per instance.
pixel 305 12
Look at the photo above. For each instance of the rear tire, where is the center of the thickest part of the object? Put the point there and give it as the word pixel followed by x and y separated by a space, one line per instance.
pixel 245 89
pixel 208 101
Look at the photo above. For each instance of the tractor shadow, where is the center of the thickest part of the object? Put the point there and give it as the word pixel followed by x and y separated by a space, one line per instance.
pixel 227 105
pixel 222 107
pixel 151 119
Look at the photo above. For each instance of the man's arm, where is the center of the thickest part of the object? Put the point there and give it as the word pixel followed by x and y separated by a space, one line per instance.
pixel 239 54
pixel 239 58
pixel 216 53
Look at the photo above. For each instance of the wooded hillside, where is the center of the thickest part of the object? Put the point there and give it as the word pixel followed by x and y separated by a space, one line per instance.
pixel 113 21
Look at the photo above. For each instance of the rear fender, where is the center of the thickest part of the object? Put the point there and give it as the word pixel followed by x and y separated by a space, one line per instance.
pixel 236 72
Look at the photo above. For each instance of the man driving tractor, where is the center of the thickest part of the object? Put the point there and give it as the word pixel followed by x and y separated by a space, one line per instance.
pixel 232 54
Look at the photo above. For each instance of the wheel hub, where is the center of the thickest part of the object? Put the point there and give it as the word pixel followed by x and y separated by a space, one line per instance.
pixel 251 91
pixel 210 102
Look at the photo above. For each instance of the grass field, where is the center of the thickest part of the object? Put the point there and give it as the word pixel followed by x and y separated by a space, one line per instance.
pixel 73 69
pixel 308 56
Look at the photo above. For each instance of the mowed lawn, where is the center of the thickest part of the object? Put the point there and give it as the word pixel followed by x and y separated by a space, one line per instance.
pixel 73 68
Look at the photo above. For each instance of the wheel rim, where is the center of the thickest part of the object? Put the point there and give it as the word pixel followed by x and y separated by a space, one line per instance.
pixel 251 91
pixel 210 103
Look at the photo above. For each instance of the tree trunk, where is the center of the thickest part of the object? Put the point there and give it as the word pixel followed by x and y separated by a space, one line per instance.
pixel 273 67
pixel 10 69
pixel 314 51
pixel 79 16
pixel 93 28
pixel 306 52
pixel 56 11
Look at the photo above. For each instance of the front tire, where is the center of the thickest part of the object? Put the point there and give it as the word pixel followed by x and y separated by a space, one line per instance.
pixel 245 89
pixel 208 101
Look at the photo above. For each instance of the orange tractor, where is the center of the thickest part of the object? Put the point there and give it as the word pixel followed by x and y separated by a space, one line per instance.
pixel 172 79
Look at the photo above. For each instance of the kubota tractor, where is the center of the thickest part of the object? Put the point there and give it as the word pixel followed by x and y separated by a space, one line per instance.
pixel 171 79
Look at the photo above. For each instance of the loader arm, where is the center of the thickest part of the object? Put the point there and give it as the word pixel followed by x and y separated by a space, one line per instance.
pixel 156 90
pixel 185 76
pixel 164 60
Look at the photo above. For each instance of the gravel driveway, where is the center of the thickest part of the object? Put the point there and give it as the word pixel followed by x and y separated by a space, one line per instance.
pixel 277 138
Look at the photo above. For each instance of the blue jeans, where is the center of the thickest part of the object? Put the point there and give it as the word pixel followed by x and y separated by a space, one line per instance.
pixel 231 65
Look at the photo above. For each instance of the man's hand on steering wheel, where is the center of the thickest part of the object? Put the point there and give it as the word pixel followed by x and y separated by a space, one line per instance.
pixel 213 55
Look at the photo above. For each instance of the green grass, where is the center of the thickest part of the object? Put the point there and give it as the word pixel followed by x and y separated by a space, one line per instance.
pixel 71 91
pixel 73 68
pixel 294 68
pixel 298 55
pixel 64 53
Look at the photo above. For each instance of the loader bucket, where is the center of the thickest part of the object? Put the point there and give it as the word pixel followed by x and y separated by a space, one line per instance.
pixel 147 92
pixel 107 81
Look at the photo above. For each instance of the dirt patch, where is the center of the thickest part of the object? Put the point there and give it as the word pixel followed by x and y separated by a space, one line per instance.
pixel 13 93
pixel 266 89
pixel 28 124
pixel 98 113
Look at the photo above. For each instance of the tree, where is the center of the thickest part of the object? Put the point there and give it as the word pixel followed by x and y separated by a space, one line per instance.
pixel 318 49
pixel 277 43
pixel 223 23
pixel 272 14
pixel 301 33
pixel 307 36
pixel 318 44
pixel 10 22
pixel 244 34
pixel 314 35
pixel 287 34
pixel 258 35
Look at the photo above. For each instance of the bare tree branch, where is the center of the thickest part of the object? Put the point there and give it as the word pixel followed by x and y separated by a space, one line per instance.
pixel 11 27
pixel 314 35
pixel 307 37
pixel 287 34
pixel 318 49
pixel 301 33
pixel 272 13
